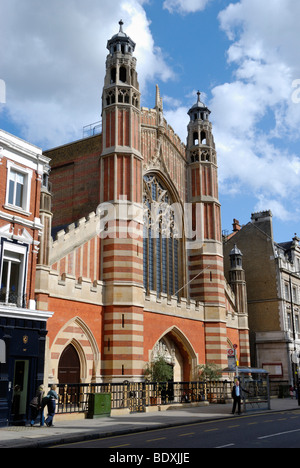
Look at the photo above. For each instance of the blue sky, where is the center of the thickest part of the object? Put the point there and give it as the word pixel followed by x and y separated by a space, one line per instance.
pixel 244 56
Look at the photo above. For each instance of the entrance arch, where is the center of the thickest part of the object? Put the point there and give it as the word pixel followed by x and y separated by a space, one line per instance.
pixel 69 366
pixel 177 350
pixel 77 334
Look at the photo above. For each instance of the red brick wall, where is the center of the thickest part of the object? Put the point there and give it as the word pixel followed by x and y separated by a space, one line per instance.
pixel 75 179
pixel 67 310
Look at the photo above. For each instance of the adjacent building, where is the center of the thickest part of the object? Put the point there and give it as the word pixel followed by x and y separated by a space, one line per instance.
pixel 23 327
pixel 273 288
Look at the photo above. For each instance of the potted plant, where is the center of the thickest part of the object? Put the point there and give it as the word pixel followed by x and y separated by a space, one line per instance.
pixel 156 371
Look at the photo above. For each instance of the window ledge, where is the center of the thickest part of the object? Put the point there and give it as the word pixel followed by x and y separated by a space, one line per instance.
pixel 17 209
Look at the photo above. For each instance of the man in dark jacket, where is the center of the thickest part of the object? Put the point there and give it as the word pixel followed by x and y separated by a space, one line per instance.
pixel 237 396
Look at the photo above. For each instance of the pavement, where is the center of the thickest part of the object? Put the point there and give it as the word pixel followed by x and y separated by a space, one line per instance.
pixel 70 431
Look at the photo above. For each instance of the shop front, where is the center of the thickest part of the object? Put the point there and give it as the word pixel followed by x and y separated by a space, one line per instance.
pixel 22 356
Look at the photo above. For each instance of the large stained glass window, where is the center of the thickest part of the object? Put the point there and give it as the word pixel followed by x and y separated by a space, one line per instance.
pixel 161 239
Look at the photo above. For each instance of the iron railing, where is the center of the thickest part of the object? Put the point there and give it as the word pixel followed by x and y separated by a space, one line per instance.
pixel 74 398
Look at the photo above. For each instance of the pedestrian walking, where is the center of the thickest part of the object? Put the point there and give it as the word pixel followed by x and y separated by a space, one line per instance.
pixel 237 396
pixel 52 397
pixel 36 405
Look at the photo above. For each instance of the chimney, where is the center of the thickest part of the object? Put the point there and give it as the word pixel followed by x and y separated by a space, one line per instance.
pixel 236 225
pixel 263 220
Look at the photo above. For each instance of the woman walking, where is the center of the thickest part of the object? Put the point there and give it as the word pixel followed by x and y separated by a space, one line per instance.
pixel 52 396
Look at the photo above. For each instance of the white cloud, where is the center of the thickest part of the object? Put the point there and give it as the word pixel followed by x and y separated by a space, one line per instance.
pixel 278 209
pixel 185 6
pixel 176 113
pixel 179 120
pixel 53 62
pixel 255 115
pixel 255 118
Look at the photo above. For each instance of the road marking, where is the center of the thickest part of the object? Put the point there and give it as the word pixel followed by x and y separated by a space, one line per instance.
pixel 187 434
pixel 278 434
pixel 118 446
pixel 224 446
pixel 153 440
pixel 211 430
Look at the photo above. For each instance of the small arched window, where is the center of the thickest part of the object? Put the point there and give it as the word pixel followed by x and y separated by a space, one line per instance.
pixel 203 138
pixel 123 74
pixel 113 74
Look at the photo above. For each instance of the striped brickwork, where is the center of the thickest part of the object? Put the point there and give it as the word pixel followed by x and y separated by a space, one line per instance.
pixel 216 343
pixel 205 258
pixel 207 279
pixel 123 342
pixel 74 333
pixel 121 186
pixel 82 262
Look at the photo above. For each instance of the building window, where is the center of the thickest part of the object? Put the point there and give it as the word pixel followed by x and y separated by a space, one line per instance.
pixel 12 275
pixel 287 292
pixel 289 321
pixel 297 323
pixel 295 295
pixel 123 74
pixel 161 242
pixel 18 188
pixel 113 75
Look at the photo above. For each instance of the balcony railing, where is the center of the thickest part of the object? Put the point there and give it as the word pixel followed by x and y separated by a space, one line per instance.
pixel 92 129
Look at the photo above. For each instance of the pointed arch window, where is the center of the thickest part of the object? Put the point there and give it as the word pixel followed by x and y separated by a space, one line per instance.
pixel 161 239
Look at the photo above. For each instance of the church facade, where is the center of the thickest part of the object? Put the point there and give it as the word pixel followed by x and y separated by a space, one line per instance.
pixel 135 269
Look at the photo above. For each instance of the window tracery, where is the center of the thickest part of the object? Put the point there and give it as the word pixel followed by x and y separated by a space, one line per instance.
pixel 161 239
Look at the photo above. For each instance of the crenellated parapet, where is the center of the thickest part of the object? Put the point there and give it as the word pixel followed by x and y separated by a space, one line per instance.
pixel 74 237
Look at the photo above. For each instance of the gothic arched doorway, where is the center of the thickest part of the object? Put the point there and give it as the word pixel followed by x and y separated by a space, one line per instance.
pixel 178 352
pixel 69 366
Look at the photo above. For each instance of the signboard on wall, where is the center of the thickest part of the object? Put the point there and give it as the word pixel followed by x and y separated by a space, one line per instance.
pixel 231 359
pixel 275 369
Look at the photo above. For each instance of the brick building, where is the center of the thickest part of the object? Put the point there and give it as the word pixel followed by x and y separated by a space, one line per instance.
pixel 273 289
pixel 23 327
pixel 136 265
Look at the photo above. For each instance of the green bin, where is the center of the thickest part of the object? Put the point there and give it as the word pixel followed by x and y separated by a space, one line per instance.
pixel 99 405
